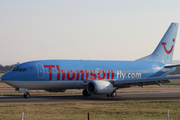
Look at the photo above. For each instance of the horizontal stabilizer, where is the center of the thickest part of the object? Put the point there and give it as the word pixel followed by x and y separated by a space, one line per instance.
pixel 170 66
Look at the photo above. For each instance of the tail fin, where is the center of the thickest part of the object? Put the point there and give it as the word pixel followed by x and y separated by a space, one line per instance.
pixel 164 50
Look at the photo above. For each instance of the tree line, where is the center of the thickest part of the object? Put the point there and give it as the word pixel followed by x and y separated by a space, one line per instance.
pixel 6 68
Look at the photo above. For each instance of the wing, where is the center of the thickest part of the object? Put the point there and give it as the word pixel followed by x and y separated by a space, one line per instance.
pixel 143 81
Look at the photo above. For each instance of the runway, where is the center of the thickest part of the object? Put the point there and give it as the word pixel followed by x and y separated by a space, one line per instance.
pixel 79 98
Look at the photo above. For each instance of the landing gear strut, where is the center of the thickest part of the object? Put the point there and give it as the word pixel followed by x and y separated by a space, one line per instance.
pixel 26 95
pixel 85 93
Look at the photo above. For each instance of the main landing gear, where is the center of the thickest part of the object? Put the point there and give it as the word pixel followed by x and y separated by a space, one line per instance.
pixel 113 94
pixel 85 93
pixel 26 95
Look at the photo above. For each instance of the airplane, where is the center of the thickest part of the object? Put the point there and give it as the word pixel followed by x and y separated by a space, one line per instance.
pixel 96 76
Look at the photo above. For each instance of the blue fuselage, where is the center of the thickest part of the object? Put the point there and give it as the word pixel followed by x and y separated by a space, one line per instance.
pixel 77 70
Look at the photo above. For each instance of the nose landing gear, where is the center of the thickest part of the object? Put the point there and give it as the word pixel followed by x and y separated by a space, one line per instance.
pixel 26 94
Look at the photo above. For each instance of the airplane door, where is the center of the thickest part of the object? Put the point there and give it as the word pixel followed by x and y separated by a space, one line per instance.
pixel 40 71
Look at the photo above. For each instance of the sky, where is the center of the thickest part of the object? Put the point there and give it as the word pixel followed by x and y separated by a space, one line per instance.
pixel 84 29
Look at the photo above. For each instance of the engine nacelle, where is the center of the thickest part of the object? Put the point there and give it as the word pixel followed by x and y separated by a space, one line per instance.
pixel 100 87
pixel 55 90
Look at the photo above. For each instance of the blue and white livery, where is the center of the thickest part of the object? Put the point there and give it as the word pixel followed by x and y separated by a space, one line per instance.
pixel 96 76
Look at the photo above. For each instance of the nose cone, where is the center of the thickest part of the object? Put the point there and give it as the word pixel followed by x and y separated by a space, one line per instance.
pixel 5 77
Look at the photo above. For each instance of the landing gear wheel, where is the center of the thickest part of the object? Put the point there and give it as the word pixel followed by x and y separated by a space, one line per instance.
pixel 85 93
pixel 114 94
pixel 26 95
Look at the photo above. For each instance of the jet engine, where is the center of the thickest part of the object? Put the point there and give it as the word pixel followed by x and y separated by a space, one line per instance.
pixel 100 87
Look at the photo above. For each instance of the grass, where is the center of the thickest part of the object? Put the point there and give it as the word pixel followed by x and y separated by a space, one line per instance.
pixel 1 74
pixel 175 82
pixel 4 85
pixel 124 110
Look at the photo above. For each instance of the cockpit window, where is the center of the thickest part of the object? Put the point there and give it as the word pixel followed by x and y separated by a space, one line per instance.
pixel 15 69
pixel 19 69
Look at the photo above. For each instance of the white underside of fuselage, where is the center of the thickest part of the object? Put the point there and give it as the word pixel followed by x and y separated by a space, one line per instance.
pixel 41 85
